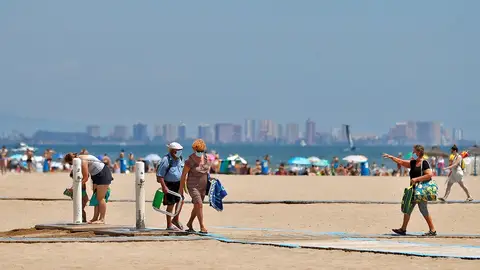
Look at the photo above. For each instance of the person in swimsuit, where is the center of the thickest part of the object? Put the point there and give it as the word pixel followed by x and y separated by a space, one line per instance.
pixel 3 159
pixel 416 176
pixel 195 176
pixel 455 175
pixel 29 154
pixel 101 177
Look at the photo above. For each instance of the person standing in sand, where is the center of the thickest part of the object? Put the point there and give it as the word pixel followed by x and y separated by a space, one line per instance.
pixel 195 177
pixel 416 176
pixel 455 175
pixel 3 159
pixel 101 179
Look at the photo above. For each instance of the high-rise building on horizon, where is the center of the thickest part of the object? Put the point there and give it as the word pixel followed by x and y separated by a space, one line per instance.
pixel 280 133
pixel 158 131
pixel 182 132
pixel 267 130
pixel 120 132
pixel 429 133
pixel 237 136
pixel 140 132
pixel 170 133
pixel 93 131
pixel 250 130
pixel 224 133
pixel 205 133
pixel 292 133
pixel 457 135
pixel 310 132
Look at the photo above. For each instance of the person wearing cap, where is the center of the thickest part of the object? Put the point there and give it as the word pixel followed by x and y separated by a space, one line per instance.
pixel 169 172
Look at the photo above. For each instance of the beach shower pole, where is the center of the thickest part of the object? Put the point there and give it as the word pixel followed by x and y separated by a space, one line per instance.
pixel 140 195
pixel 77 191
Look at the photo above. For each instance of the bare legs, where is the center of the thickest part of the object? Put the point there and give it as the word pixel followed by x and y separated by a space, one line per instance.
pixel 422 206
pixel 462 185
pixel 175 220
pixel 449 187
pixel 3 165
pixel 197 212
pixel 84 204
pixel 428 219
pixel 447 191
pixel 100 210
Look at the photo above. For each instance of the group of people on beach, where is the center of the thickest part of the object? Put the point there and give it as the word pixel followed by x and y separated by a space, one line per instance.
pixel 172 173
pixel 420 172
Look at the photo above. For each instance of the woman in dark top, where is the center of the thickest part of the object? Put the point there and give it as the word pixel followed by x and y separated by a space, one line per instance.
pixel 416 176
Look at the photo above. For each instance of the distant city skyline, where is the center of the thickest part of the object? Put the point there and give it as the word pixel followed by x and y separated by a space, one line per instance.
pixel 257 131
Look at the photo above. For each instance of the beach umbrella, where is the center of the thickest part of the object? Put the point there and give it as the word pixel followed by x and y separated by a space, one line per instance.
pixel 236 158
pixel 314 159
pixel 436 151
pixel 56 164
pixel 474 150
pixel 356 158
pixel 299 161
pixel 153 158
pixel 38 159
pixel 321 163
pixel 18 157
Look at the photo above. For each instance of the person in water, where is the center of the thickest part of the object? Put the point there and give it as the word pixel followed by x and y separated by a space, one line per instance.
pixel 101 178
pixel 455 175
pixel 416 176
pixel 195 177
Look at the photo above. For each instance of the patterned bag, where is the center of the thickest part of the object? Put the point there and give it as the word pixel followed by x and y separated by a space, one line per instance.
pixel 425 191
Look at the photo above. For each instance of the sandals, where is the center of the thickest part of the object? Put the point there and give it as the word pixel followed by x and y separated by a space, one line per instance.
pixel 178 224
pixel 400 231
pixel 430 233
pixel 173 228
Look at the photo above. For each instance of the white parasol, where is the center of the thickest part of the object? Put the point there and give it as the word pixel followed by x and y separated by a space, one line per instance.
pixel 356 158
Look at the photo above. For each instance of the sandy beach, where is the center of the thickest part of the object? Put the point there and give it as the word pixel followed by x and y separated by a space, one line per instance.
pixel 240 222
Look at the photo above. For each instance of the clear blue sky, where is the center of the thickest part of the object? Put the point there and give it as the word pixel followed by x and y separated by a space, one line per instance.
pixel 367 63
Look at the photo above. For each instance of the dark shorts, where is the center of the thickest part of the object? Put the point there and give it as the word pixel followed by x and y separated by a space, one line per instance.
pixel 104 177
pixel 169 199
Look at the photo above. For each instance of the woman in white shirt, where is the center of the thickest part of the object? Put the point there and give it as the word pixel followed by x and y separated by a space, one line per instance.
pixel 455 175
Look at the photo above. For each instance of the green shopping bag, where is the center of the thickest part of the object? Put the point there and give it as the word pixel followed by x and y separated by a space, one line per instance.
pixel 407 200
pixel 94 201
pixel 158 199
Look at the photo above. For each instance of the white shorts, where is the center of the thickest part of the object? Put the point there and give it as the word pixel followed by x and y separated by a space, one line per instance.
pixel 455 177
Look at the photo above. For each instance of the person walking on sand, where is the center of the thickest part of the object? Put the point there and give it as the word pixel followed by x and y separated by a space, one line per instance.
pixel 169 173
pixel 195 177
pixel 455 175
pixel 101 178
pixel 416 176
